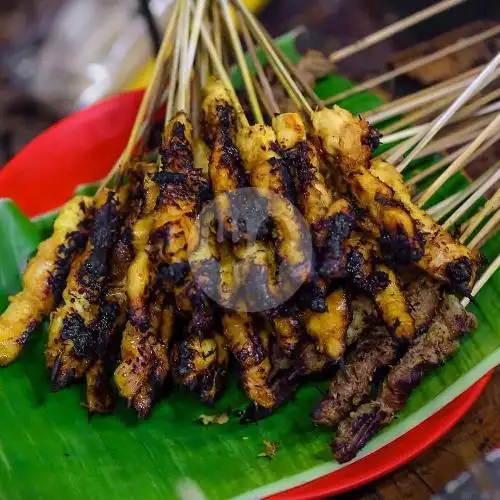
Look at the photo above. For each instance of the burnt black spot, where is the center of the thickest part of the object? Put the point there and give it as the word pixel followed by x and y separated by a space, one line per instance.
pixel 340 227
pixel 399 247
pixel 103 236
pixel 174 273
pixel 164 178
pixel 75 242
pixel 459 272
pixel 83 338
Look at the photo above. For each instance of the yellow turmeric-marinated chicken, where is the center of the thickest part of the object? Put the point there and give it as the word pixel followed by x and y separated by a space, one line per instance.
pixel 443 258
pixel 380 282
pixel 82 320
pixel 44 278
pixel 270 176
pixel 329 329
pixel 348 142
pixel 251 350
pixel 99 394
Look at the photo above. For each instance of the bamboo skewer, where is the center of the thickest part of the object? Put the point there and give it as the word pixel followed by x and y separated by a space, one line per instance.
pixel 490 226
pixel 449 159
pixel 418 114
pixel 469 227
pixel 473 88
pixel 442 208
pixel 394 28
pixel 490 271
pixel 417 63
pixel 281 71
pixel 475 197
pixel 424 96
pixel 144 112
pixel 267 91
pixel 460 161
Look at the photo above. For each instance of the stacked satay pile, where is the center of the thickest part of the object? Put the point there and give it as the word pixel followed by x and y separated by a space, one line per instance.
pixel 142 284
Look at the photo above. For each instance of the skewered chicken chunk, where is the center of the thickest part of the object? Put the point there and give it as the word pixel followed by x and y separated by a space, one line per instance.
pixel 348 143
pixel 444 258
pixel 81 322
pixel 44 278
pixel 225 170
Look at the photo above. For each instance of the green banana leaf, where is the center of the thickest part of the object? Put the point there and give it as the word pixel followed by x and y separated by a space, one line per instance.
pixel 49 449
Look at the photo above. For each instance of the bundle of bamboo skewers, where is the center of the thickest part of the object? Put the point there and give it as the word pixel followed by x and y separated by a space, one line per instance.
pixel 142 282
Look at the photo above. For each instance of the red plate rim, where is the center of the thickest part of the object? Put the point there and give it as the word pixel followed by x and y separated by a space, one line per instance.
pixel 82 148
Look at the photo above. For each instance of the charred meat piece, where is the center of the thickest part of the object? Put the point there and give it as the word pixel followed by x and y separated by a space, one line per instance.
pixel 443 258
pixel 380 282
pixel 80 322
pixel 99 394
pixel 44 278
pixel 200 364
pixel 251 350
pixel 144 362
pixel 431 350
pixel 225 168
pixel 347 142
pixel 329 329
pixel 349 387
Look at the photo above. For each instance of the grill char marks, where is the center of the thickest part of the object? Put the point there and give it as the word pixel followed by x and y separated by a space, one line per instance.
pixel 431 350
pixel 76 326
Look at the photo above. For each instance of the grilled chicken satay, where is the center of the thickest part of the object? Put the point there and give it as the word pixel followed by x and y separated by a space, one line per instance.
pixel 251 350
pixel 348 143
pixel 307 360
pixel 269 174
pixel 140 190
pixel 380 282
pixel 44 278
pixel 331 219
pixel 200 364
pixel 443 258
pixel 144 363
pixel 80 323
pixel 329 329
pixel 431 350
pixel 225 169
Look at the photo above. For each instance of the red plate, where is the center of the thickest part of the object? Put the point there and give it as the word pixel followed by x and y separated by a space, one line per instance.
pixel 81 149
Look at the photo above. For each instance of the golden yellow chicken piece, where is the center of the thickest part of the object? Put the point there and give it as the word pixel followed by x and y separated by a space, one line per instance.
pixel 81 321
pixel 251 350
pixel 269 175
pixel 255 379
pixel 380 282
pixel 329 329
pixel 225 170
pixel 44 278
pixel 348 142
pixel 288 330
pixel 342 134
pixel 393 306
pixel 444 258
pixel 200 364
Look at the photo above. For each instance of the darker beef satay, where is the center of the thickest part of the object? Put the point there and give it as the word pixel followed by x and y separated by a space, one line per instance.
pixel 74 333
pixel 45 277
pixel 431 350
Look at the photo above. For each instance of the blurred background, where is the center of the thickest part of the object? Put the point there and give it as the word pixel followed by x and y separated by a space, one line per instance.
pixel 57 56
